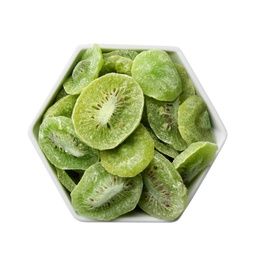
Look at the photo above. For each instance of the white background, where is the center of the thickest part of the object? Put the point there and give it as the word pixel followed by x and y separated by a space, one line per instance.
pixel 221 41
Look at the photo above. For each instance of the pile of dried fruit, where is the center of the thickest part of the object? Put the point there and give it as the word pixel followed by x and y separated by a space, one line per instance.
pixel 127 130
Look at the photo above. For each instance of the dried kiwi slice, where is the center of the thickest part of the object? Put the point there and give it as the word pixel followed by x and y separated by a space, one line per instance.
pixel 85 71
pixel 63 107
pixel 157 75
pixel 163 119
pixel 62 93
pixel 194 121
pixel 69 178
pixel 188 88
pixel 108 111
pixel 130 54
pixel 117 64
pixel 130 157
pixel 119 61
pixel 65 179
pixel 195 159
pixel 62 147
pixel 103 196
pixel 164 195
pixel 162 147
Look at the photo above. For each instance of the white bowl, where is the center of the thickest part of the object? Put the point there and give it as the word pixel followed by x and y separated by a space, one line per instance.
pixel 177 56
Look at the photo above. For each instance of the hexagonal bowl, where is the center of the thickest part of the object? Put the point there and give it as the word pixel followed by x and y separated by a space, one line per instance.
pixel 178 57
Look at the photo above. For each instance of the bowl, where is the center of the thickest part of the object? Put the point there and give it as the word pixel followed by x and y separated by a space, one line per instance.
pixel 178 57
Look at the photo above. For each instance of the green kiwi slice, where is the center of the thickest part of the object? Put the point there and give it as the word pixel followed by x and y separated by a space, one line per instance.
pixel 69 178
pixel 117 64
pixel 108 111
pixel 65 179
pixel 103 196
pixel 63 107
pixel 163 119
pixel 164 195
pixel 62 147
pixel 162 147
pixel 130 54
pixel 157 75
pixel 188 88
pixel 195 159
pixel 85 71
pixel 119 61
pixel 62 93
pixel 194 121
pixel 130 157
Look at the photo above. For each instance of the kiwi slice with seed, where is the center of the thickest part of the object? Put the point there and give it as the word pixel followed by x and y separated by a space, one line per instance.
pixel 195 159
pixel 194 121
pixel 130 157
pixel 103 196
pixel 63 107
pixel 62 147
pixel 164 195
pixel 108 111
pixel 85 71
pixel 162 147
pixel 163 119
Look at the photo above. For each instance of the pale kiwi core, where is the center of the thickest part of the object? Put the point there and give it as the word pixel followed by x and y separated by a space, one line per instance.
pixel 107 195
pixel 107 110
